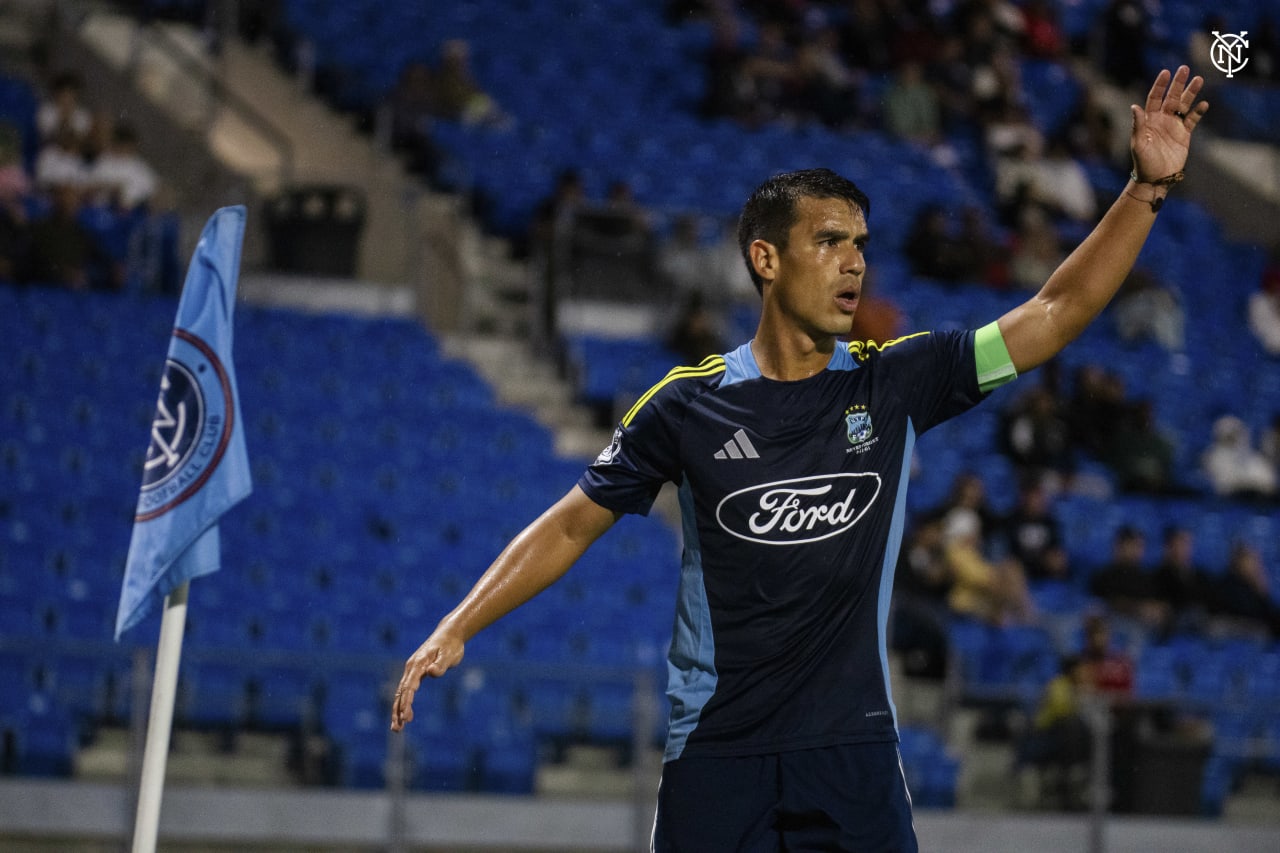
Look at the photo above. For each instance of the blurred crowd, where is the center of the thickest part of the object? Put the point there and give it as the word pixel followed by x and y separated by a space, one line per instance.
pixel 87 213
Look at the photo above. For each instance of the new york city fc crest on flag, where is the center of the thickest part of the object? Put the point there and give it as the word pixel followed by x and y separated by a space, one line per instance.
pixel 194 420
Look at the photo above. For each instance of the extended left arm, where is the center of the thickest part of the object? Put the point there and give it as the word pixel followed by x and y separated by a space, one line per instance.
pixel 1080 288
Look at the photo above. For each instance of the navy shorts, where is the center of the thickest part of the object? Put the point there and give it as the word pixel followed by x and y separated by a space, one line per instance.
pixel 840 798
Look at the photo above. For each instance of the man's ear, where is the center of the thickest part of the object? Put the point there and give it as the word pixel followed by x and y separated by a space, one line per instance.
pixel 764 259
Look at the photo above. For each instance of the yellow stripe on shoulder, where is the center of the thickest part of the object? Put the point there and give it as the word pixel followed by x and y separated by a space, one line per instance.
pixel 861 350
pixel 709 366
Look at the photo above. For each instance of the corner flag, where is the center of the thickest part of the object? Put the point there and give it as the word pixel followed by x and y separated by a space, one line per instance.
pixel 196 465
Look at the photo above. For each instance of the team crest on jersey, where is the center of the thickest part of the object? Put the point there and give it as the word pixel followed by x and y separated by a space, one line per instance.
pixel 857 421
pixel 606 456
pixel 191 428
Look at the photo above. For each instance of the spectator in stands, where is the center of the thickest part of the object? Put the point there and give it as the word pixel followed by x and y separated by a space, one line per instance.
pixel 1051 179
pixel 867 36
pixel 410 108
pixel 64 109
pixel 1037 249
pixel 1140 454
pixel 15 185
pixel 911 108
pixel 921 585
pixel 1235 468
pixel 1042 35
pixel 98 139
pixel 696 332
pixel 1033 534
pixel 1181 585
pixel 548 227
pixel 63 252
pixel 996 79
pixel 120 175
pixel 1269 443
pixel 933 251
pixel 968 491
pixel 991 591
pixel 1009 133
pixel 1059 741
pixel 1090 131
pixel 60 162
pixel 692 264
pixel 1109 670
pixel 1145 309
pixel 767 75
pixel 1124 584
pixel 632 217
pixel 1097 404
pixel 1110 673
pixel 825 87
pixel 552 213
pixel 988 250
pixel 727 94
pixel 1037 436
pixel 1264 49
pixel 1241 596
pixel 952 78
pixel 456 94
pixel 1124 39
pixel 1264 307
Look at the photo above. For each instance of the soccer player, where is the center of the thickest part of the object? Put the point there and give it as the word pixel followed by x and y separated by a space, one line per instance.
pixel 791 455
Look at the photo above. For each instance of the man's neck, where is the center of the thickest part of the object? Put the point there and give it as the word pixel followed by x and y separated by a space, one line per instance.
pixel 791 356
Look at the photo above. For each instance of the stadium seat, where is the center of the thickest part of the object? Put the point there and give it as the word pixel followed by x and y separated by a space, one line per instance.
pixel 45 735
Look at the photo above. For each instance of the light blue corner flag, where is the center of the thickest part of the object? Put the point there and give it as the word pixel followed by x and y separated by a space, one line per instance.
pixel 196 466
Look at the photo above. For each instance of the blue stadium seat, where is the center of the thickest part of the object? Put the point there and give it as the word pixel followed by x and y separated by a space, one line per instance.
pixel 45 736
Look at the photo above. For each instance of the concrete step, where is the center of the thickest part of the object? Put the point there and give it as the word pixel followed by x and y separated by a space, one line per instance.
pixel 524 380
pixel 250 759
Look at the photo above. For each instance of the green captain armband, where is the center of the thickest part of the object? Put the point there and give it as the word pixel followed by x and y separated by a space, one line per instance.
pixel 995 368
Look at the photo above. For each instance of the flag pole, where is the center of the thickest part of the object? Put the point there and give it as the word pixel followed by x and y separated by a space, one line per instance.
pixel 163 691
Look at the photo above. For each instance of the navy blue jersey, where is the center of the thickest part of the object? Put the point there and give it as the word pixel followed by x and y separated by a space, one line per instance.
pixel 793 497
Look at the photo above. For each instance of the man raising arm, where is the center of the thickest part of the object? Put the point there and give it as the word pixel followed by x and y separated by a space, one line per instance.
pixel 1081 287
pixel 792 455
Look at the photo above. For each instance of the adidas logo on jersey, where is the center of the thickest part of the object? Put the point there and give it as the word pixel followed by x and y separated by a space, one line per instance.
pixel 738 447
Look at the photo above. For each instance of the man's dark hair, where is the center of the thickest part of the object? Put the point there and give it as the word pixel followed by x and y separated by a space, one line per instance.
pixel 771 210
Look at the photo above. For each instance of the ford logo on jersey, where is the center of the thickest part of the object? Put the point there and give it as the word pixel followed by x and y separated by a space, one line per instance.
pixel 793 512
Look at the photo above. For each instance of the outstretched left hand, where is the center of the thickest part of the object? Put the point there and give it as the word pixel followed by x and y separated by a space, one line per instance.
pixel 1162 131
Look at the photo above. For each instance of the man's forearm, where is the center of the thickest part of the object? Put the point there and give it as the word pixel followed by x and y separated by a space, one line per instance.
pixel 1081 286
pixel 534 559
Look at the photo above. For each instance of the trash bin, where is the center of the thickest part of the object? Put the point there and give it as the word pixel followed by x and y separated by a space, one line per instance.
pixel 1168 775
pixel 316 229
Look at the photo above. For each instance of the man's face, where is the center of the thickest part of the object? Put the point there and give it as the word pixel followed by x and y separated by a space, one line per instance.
pixel 817 279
